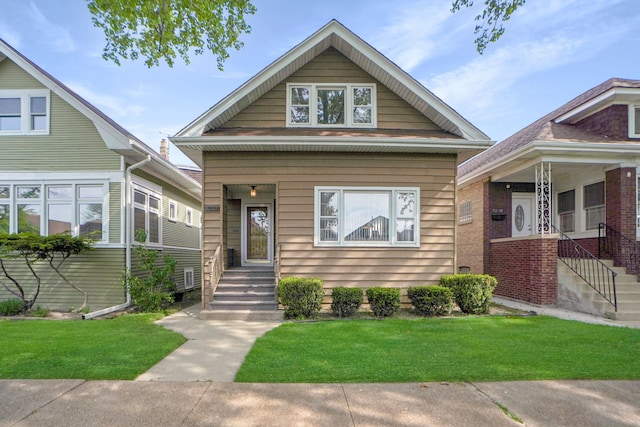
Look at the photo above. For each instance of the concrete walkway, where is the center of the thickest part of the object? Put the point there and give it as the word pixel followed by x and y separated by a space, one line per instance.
pixel 214 351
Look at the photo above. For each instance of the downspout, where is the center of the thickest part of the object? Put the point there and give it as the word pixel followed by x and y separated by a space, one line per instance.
pixel 128 236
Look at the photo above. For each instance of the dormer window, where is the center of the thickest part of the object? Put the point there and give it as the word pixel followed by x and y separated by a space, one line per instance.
pixel 24 112
pixel 634 121
pixel 331 105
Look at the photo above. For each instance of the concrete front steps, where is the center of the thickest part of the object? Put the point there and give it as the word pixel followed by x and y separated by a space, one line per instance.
pixel 575 294
pixel 245 293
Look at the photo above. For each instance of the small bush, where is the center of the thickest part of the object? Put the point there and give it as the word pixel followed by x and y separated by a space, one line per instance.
pixel 40 312
pixel 472 292
pixel 301 297
pixel 431 300
pixel 384 302
pixel 11 307
pixel 345 301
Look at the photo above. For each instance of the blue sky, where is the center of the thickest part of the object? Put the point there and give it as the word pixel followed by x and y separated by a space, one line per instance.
pixel 552 51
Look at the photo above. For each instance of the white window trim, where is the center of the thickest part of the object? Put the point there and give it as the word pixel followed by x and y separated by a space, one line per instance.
pixel 348 101
pixel 584 208
pixel 148 192
pixel 392 243
pixel 25 110
pixel 44 202
pixel 188 271
pixel 632 121
pixel 188 217
pixel 174 217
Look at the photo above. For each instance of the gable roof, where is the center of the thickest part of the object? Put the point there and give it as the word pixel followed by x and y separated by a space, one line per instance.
pixel 557 126
pixel 115 136
pixel 335 35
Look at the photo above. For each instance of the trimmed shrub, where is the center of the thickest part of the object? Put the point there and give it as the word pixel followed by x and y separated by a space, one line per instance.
pixel 301 297
pixel 384 302
pixel 11 307
pixel 431 300
pixel 472 292
pixel 345 301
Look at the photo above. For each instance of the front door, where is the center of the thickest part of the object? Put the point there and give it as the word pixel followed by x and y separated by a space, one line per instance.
pixel 257 237
pixel 522 214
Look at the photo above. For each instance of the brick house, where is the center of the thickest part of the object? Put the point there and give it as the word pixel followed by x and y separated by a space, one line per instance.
pixel 563 188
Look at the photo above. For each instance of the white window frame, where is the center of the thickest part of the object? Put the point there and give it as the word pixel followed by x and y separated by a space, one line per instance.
pixel 44 202
pixel 25 110
pixel 189 278
pixel 566 214
pixel 348 101
pixel 632 121
pixel 466 216
pixel 188 217
pixel 172 213
pixel 147 210
pixel 596 208
pixel 392 242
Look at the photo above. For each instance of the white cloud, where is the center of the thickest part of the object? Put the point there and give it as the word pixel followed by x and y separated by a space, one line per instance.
pixel 114 106
pixel 9 35
pixel 57 36
pixel 416 34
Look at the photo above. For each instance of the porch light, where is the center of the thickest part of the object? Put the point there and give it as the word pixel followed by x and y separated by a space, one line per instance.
pixel 252 192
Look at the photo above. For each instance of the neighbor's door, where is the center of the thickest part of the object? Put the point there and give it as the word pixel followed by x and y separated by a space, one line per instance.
pixel 257 234
pixel 522 215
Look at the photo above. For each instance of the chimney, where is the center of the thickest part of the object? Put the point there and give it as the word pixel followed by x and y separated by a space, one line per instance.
pixel 164 149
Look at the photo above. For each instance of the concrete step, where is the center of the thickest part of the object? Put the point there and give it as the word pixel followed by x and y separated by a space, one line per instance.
pixel 245 296
pixel 239 287
pixel 243 305
pixel 630 316
pixel 246 315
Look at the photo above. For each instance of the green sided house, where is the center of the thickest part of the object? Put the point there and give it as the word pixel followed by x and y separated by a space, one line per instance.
pixel 332 162
pixel 67 167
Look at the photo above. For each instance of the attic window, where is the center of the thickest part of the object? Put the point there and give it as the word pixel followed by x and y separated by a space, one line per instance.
pixel 24 112
pixel 331 105
pixel 634 121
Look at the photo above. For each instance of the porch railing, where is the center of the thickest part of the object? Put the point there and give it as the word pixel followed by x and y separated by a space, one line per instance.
pixel 213 269
pixel 624 251
pixel 586 265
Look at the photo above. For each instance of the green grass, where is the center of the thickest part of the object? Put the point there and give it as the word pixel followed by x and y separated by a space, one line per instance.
pixel 494 348
pixel 120 348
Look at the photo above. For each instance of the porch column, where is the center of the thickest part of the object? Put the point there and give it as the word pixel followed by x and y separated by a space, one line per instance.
pixel 543 198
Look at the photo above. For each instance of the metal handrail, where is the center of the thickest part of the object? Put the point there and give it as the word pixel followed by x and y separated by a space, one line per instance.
pixel 588 267
pixel 624 251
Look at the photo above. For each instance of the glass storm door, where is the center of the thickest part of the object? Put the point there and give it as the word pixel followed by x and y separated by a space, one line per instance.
pixel 258 234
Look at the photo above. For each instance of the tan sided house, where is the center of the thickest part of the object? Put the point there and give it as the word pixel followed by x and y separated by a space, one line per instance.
pixel 331 162
pixel 67 167
pixel 552 211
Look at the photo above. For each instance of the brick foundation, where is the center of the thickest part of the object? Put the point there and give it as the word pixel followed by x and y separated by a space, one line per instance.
pixel 526 268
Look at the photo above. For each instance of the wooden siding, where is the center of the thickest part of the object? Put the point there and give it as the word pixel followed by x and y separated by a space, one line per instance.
pixel 296 175
pixel 269 111
pixel 99 272
pixel 233 223
pixel 73 142
pixel 185 259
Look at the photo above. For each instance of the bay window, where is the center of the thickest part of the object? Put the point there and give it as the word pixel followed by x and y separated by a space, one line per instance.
pixel 327 105
pixel 363 216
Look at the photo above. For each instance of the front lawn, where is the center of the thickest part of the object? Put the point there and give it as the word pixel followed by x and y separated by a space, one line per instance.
pixel 492 348
pixel 112 349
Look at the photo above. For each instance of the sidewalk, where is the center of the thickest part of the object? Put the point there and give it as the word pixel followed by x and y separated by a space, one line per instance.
pixel 133 403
